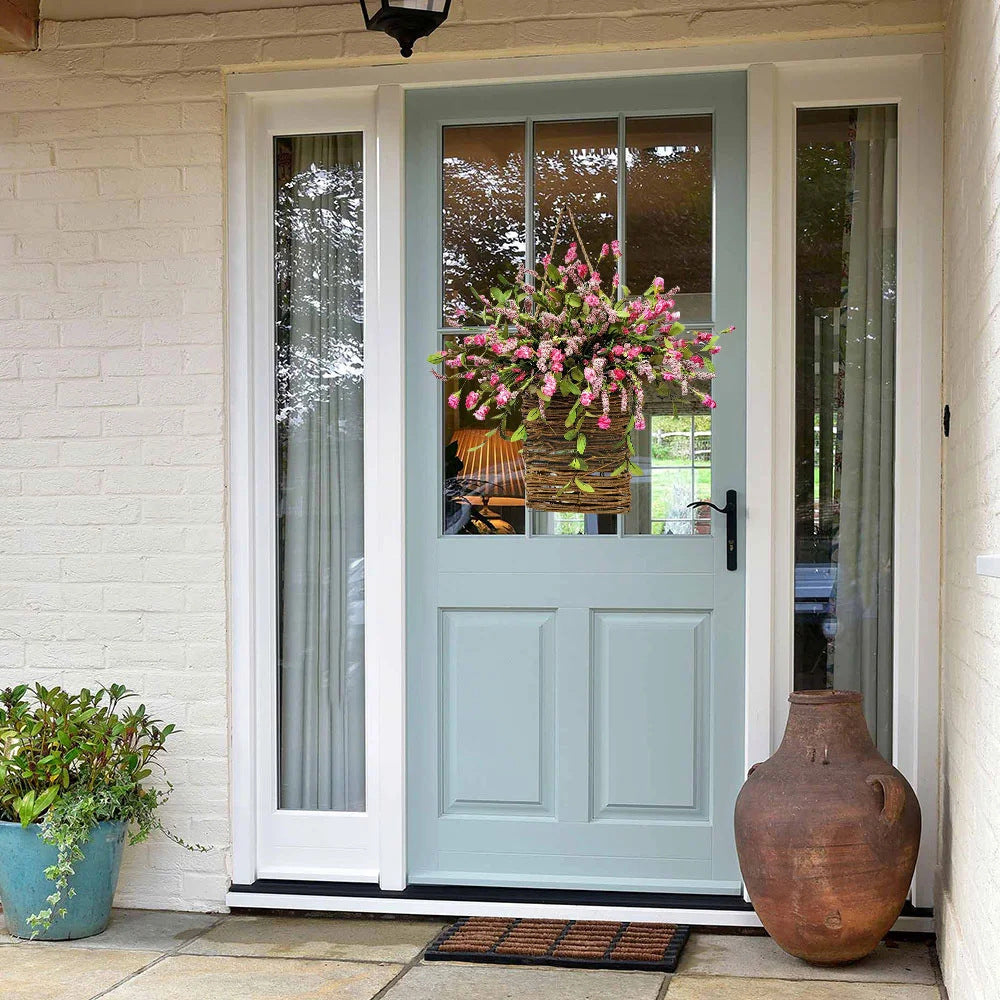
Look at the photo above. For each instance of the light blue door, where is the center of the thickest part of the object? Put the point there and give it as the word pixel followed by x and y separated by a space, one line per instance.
pixel 576 683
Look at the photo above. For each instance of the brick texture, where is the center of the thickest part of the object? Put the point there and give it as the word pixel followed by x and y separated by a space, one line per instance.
pixel 112 504
pixel 969 892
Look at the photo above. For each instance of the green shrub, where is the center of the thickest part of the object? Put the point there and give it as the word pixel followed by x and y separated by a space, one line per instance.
pixel 70 761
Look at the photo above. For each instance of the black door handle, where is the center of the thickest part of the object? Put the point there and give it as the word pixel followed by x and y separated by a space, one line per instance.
pixel 730 511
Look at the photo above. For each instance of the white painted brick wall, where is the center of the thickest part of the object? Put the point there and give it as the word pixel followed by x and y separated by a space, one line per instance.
pixel 112 531
pixel 969 893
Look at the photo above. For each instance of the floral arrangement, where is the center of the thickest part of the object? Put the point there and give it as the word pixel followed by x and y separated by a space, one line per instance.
pixel 556 332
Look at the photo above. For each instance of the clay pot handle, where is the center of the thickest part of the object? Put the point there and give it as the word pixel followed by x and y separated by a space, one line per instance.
pixel 893 796
pixel 753 767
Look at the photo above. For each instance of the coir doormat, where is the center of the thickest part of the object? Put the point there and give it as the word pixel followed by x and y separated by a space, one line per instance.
pixel 580 944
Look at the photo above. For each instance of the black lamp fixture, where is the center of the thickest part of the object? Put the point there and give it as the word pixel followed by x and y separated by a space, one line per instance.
pixel 405 20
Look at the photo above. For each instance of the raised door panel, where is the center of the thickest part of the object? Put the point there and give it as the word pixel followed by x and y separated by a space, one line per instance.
pixel 497 712
pixel 649 711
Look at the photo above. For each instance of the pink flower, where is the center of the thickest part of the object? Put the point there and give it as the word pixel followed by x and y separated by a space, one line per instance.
pixel 593 301
pixel 640 422
pixel 571 253
pixel 669 377
pixel 710 403
pixel 658 284
pixel 616 280
pixel 581 269
pixel 523 352
pixel 633 352
pixel 480 414
pixel 714 350
pixel 546 260
pixel 586 398
pixel 618 350
pixel 618 373
pixel 453 400
pixel 604 422
pixel 471 400
pixel 549 385
pixel 616 248
pixel 605 249
pixel 494 378
pixel 503 396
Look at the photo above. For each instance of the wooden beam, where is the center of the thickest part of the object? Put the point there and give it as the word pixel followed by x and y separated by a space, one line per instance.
pixel 18 29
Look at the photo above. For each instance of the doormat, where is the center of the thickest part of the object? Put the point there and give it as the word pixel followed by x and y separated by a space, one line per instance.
pixel 579 944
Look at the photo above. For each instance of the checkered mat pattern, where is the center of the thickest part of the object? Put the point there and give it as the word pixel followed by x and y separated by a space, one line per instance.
pixel 590 944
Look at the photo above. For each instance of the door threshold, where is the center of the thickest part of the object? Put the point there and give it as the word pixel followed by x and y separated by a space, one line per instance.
pixel 695 909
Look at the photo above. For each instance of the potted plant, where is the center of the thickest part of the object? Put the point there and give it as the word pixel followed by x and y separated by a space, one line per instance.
pixel 564 365
pixel 74 781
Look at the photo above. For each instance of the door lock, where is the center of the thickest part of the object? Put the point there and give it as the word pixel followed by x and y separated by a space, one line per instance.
pixel 730 511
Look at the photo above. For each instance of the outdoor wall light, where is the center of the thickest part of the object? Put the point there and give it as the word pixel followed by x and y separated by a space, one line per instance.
pixel 405 20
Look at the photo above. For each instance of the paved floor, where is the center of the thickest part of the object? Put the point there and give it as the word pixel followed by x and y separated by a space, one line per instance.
pixel 167 956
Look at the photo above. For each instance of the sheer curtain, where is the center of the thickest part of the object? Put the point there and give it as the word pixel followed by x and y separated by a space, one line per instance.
pixel 862 658
pixel 319 410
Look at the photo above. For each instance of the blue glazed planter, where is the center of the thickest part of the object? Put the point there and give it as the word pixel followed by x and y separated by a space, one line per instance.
pixel 24 889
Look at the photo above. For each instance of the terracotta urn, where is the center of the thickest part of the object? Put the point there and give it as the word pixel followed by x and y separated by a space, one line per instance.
pixel 827 833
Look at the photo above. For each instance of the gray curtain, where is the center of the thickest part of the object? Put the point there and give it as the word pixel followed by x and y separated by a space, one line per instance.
pixel 862 658
pixel 319 393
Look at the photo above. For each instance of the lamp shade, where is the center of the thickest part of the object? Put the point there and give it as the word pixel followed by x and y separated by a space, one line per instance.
pixel 405 20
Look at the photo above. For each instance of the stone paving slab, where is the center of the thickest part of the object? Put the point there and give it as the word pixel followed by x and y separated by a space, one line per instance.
pixel 140 930
pixel 55 972
pixel 757 956
pixel 214 977
pixel 364 939
pixel 457 981
pixel 740 988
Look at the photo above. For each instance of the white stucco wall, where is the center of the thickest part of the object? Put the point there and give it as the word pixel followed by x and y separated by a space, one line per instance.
pixel 112 503
pixel 969 895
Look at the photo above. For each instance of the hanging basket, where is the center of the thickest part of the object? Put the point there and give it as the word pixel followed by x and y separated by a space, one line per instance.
pixel 547 472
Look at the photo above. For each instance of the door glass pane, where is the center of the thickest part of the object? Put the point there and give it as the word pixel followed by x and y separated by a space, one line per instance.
pixel 668 197
pixel 319 395
pixel 483 213
pixel 845 339
pixel 576 169
pixel 674 452
pixel 483 476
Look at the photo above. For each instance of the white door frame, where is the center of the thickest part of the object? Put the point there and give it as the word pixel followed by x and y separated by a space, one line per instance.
pixel 781 76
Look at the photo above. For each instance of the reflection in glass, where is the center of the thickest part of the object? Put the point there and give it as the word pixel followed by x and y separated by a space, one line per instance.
pixel 483 211
pixel 483 487
pixel 845 338
pixel 576 167
pixel 668 193
pixel 675 453
pixel 319 396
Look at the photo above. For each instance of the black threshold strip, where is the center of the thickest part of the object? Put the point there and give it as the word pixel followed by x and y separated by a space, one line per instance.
pixel 501 894
pixel 498 894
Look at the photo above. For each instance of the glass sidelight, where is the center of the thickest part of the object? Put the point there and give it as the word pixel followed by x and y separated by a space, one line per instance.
pixel 646 181
pixel 319 448
pixel 845 342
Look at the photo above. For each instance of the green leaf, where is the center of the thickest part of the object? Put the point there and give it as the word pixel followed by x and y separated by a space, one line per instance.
pixel 620 469
pixel 570 434
pixel 574 300
pixel 533 414
pixel 46 799
pixel 520 434
pixel 581 444
pixel 436 358
pixel 25 807
pixel 582 486
pixel 552 273
pixel 634 469
pixel 571 416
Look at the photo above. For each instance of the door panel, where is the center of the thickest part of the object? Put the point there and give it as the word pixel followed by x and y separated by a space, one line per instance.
pixel 575 684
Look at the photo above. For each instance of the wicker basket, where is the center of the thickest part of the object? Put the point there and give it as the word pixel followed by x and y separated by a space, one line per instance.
pixel 547 455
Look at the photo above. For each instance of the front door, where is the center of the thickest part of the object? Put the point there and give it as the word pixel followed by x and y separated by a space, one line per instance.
pixel 575 682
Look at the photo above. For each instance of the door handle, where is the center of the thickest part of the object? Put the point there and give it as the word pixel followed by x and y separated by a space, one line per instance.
pixel 730 511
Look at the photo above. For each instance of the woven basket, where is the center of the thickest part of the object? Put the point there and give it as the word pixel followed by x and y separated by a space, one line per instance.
pixel 547 455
